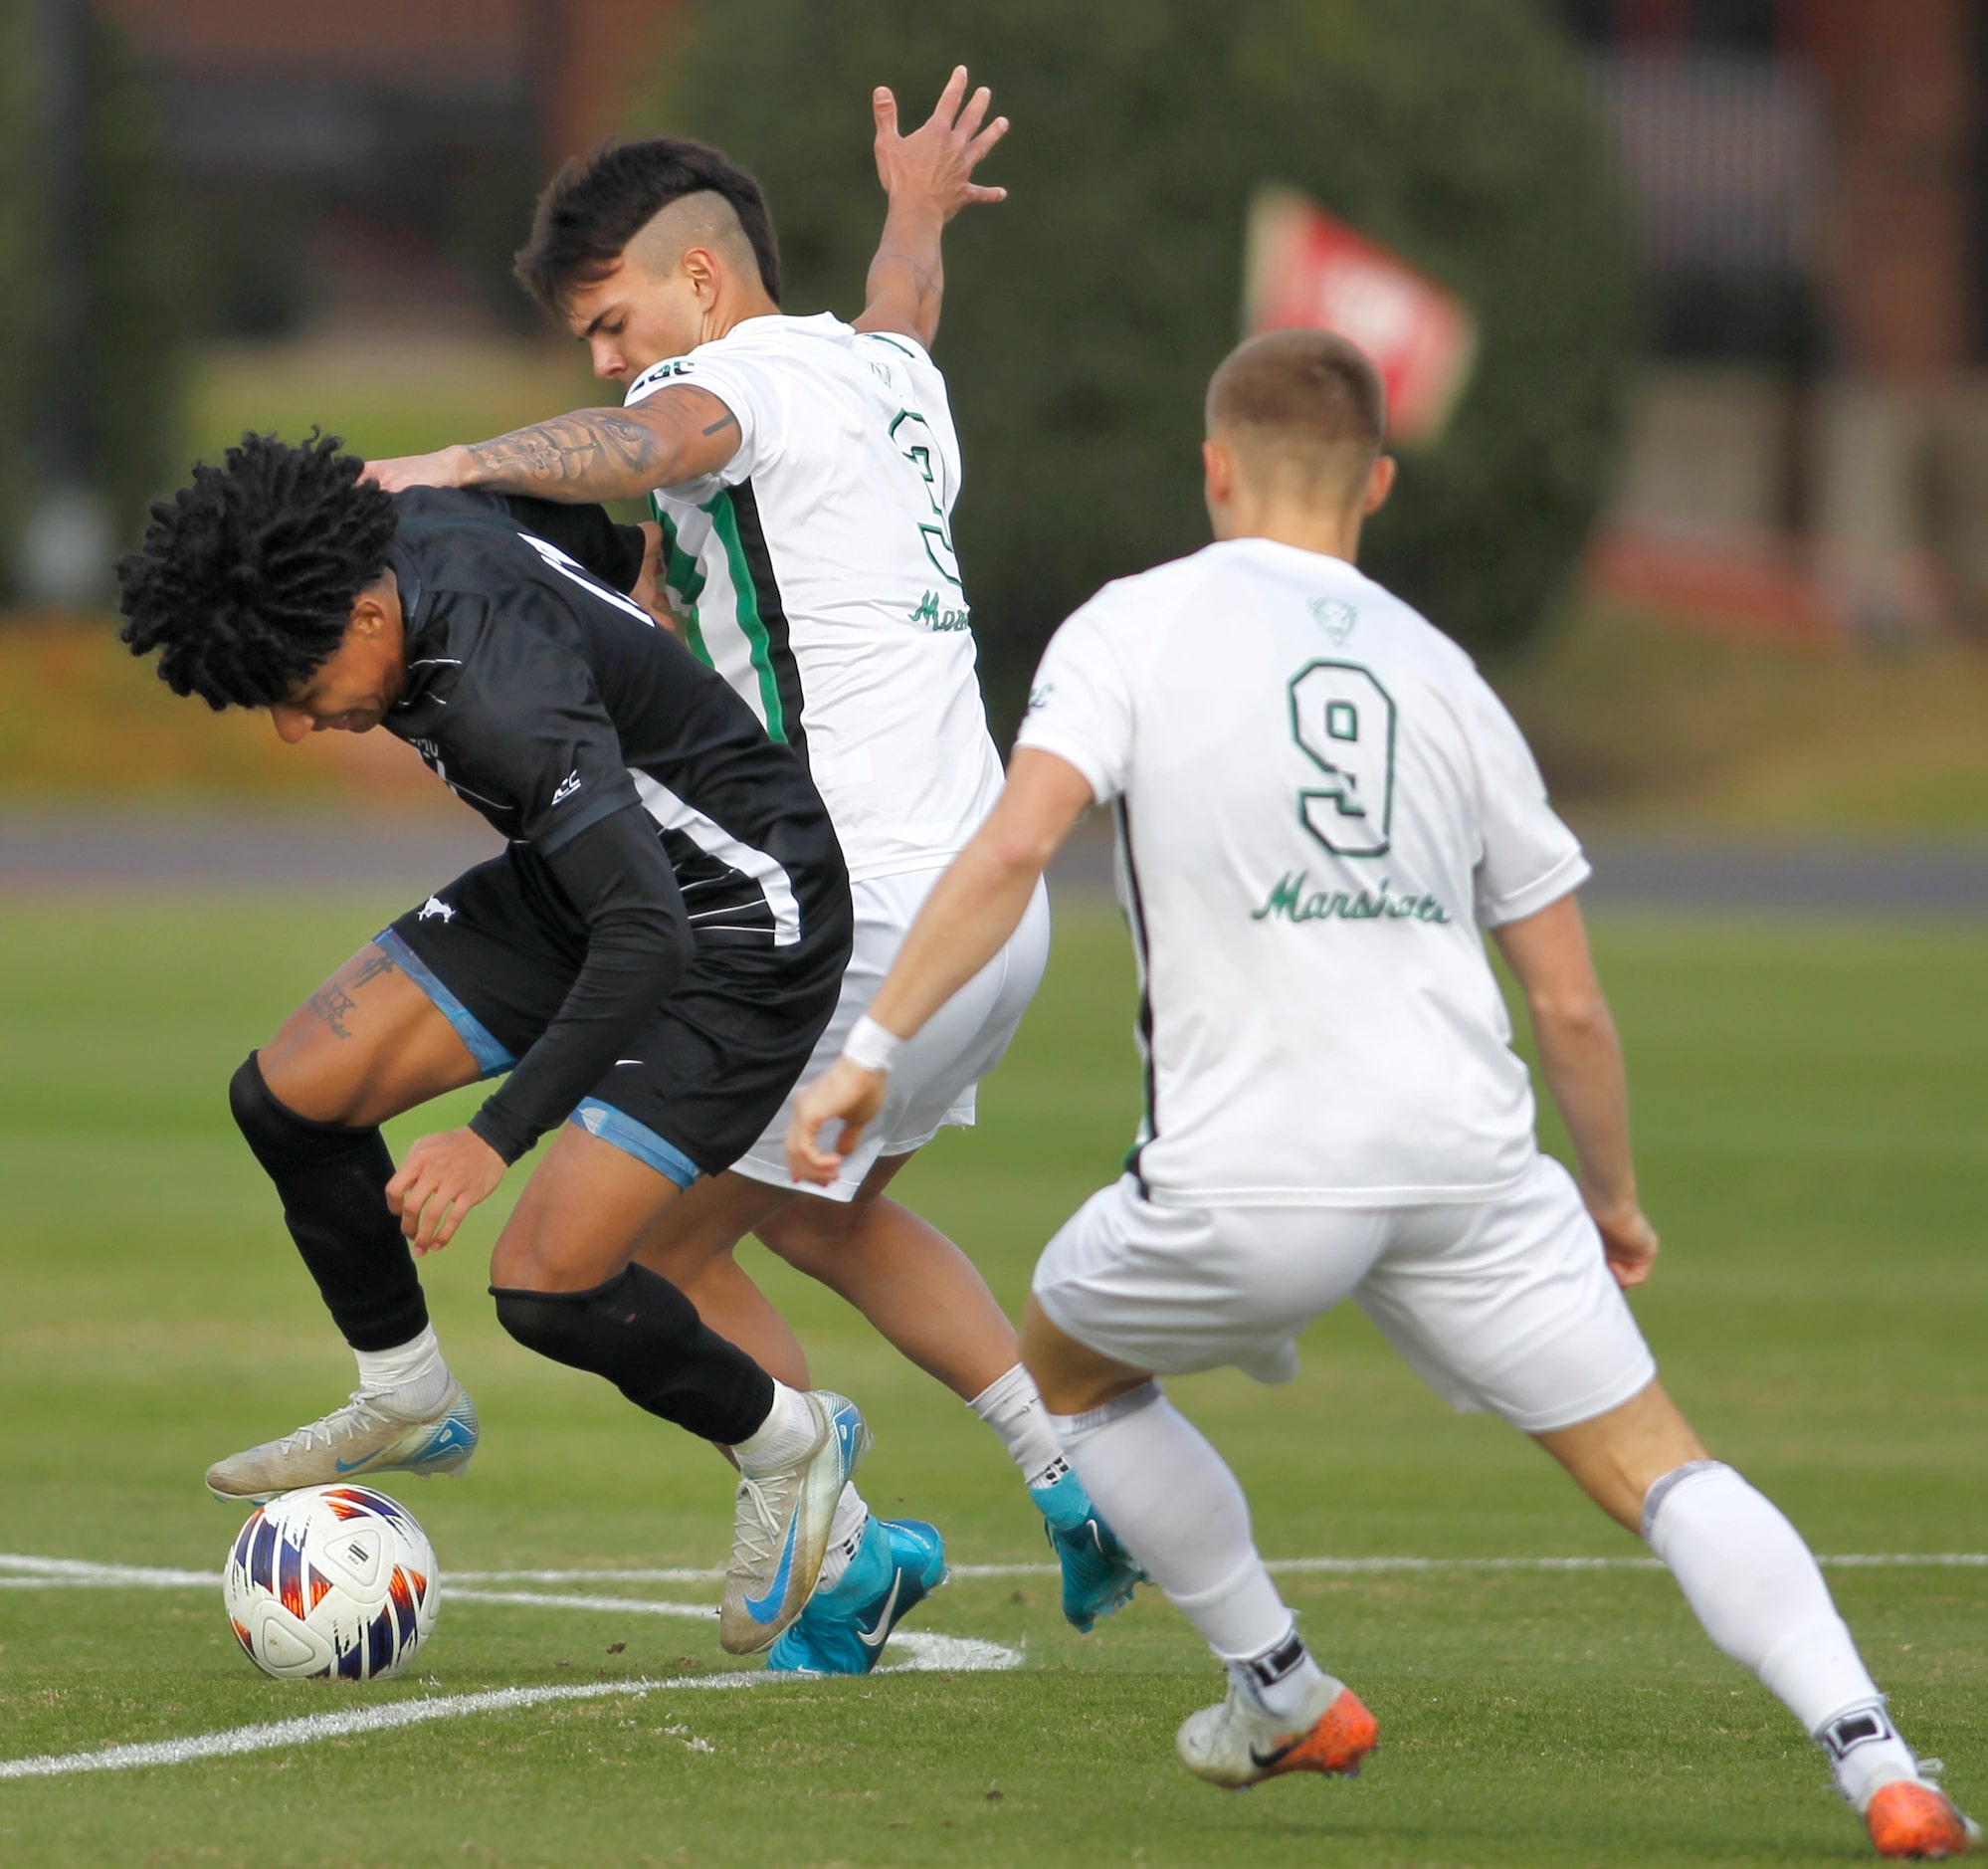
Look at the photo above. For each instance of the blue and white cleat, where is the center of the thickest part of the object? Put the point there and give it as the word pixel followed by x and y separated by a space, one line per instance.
pixel 362 1440
pixel 780 1529
pixel 898 1563
pixel 1098 1574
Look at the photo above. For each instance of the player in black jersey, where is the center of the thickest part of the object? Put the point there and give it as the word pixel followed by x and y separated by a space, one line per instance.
pixel 651 960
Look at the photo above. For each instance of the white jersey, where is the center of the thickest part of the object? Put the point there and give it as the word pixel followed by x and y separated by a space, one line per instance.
pixel 1320 803
pixel 816 573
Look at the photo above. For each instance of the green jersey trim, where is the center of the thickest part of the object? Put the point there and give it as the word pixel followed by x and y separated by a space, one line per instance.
pixel 680 574
pixel 752 624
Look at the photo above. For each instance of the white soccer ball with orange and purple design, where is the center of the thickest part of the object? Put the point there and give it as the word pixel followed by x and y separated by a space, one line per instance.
pixel 331 1580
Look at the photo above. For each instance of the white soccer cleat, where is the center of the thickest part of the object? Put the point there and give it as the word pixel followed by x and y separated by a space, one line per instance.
pixel 364 1438
pixel 1238 1744
pixel 780 1529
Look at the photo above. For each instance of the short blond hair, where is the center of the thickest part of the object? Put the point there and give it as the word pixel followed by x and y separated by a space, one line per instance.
pixel 1299 403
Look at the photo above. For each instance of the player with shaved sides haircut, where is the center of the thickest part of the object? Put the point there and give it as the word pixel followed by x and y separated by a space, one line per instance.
pixel 596 213
pixel 1322 812
pixel 803 472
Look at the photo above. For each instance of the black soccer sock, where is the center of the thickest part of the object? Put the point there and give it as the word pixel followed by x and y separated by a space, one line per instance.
pixel 333 1182
pixel 642 1333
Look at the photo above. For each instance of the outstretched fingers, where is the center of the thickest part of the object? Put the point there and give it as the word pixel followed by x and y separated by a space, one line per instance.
pixel 945 113
pixel 967 124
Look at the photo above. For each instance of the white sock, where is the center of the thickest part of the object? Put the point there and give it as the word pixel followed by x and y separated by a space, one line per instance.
pixel 1012 1407
pixel 786 1434
pixel 411 1379
pixel 852 1519
pixel 1281 1680
pixel 1171 1499
pixel 1755 1586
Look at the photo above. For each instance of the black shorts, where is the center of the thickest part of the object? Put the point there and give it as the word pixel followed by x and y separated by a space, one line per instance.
pixel 696 1082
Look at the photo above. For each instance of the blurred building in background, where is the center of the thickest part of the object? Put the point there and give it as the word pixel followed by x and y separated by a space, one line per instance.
pixel 1809 185
pixel 373 162
pixel 1809 180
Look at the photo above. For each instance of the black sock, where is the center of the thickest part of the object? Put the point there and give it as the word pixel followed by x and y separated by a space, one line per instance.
pixel 642 1333
pixel 333 1182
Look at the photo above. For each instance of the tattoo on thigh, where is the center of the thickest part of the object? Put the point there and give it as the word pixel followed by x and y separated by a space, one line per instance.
pixel 331 1004
pixel 369 969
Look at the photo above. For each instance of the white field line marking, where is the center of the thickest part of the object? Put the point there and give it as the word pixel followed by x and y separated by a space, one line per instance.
pixel 454 1593
pixel 330 1726
pixel 677 1573
pixel 24 1572
pixel 921 1652
pixel 929 1653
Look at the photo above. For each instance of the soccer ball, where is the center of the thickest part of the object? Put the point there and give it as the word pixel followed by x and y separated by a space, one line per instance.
pixel 331 1580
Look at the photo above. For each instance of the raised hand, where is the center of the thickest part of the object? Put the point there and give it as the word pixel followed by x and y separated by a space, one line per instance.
pixel 935 162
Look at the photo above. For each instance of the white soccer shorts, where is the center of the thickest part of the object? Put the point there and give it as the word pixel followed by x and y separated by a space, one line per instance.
pixel 1504 1306
pixel 932 1082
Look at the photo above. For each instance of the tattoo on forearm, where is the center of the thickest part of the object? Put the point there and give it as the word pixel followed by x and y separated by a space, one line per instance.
pixel 728 420
pixel 600 449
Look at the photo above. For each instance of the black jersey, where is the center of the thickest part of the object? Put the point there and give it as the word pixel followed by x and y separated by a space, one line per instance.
pixel 628 777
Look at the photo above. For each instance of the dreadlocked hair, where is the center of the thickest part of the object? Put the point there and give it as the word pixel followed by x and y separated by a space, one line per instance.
pixel 247 577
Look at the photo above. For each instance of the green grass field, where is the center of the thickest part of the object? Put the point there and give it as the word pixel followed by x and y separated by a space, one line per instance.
pixel 1813 1111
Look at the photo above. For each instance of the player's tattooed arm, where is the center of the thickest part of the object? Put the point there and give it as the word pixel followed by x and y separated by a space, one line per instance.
pixel 929 178
pixel 678 434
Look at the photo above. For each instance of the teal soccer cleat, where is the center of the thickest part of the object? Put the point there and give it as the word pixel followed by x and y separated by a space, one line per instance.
pixel 1098 1572
pixel 899 1563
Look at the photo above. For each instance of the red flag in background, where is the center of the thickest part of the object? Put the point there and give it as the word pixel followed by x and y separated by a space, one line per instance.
pixel 1304 267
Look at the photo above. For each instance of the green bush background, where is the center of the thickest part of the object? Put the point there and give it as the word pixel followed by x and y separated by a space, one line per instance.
pixel 1083 315
pixel 139 282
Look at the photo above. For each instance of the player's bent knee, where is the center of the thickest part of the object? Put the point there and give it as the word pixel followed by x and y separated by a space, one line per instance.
pixel 534 1264
pixel 1618 1456
pixel 278 1135
pixel 1073 1378
pixel 646 1338
pixel 578 1329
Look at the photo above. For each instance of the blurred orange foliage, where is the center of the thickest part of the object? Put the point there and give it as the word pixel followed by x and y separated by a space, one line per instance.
pixel 79 718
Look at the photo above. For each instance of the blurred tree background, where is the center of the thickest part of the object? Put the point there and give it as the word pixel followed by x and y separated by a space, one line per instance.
pixel 119 369
pixel 1083 315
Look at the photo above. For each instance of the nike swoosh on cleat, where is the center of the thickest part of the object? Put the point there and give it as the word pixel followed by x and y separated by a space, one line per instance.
pixel 758 1608
pixel 883 1622
pixel 349 1466
pixel 1270 1762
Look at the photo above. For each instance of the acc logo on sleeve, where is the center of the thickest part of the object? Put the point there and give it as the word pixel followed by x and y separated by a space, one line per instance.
pixel 658 374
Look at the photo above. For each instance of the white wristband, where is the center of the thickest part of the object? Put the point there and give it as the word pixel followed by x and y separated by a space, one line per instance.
pixel 871 1045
